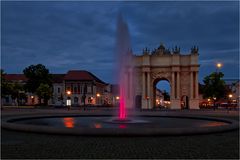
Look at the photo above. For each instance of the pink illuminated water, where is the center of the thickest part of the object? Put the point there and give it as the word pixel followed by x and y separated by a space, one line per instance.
pixel 124 59
pixel 122 108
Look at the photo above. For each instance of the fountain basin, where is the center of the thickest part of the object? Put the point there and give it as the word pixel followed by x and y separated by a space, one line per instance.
pixel 103 125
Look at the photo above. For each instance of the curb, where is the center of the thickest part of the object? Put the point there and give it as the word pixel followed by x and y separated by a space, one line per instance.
pixel 8 123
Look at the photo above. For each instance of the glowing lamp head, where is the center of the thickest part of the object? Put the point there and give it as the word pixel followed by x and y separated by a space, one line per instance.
pixel 32 97
pixel 230 95
pixel 208 99
pixel 117 97
pixel 219 65
pixel 98 95
pixel 68 92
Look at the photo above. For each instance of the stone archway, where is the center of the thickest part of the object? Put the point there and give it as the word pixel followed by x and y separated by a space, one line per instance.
pixel 156 90
pixel 180 70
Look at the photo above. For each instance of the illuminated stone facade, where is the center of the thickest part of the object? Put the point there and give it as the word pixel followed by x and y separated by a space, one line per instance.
pixel 181 71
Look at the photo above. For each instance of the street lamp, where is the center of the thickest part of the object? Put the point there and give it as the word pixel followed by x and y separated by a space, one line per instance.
pixel 68 100
pixel 98 95
pixel 32 97
pixel 219 66
pixel 68 92
pixel 214 101
pixel 230 97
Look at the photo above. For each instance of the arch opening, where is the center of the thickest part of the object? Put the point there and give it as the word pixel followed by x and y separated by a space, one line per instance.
pixel 161 93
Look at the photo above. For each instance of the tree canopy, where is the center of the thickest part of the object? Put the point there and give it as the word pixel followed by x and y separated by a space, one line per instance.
pixel 37 74
pixel 214 86
pixel 5 86
pixel 166 96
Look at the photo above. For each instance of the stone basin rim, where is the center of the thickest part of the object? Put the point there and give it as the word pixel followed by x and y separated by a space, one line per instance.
pixel 8 123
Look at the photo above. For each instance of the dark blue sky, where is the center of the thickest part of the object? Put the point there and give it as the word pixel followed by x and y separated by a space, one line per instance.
pixel 82 35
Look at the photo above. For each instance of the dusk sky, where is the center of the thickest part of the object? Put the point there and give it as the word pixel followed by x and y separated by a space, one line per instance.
pixel 82 35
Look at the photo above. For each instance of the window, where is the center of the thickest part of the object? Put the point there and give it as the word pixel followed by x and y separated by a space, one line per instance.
pixel 89 89
pixel 89 100
pixel 75 100
pixel 75 89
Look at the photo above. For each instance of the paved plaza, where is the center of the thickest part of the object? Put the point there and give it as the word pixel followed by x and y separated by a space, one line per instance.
pixel 15 145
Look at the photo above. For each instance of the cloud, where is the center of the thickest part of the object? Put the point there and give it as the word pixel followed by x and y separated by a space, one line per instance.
pixel 82 35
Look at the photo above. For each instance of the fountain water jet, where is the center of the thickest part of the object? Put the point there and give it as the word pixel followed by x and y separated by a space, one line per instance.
pixel 125 68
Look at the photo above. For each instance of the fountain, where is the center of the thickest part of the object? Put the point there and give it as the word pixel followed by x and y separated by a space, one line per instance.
pixel 124 64
pixel 90 123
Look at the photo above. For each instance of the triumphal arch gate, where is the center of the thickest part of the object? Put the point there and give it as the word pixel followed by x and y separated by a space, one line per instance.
pixel 180 70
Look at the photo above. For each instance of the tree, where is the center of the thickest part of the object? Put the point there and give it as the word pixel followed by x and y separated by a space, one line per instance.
pixel 5 86
pixel 166 96
pixel 37 74
pixel 214 86
pixel 15 90
pixel 44 92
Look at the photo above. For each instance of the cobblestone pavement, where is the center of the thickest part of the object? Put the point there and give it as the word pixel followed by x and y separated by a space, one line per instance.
pixel 16 145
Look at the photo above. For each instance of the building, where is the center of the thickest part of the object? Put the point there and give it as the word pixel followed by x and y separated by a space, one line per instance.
pixel 16 79
pixel 78 87
pixel 180 70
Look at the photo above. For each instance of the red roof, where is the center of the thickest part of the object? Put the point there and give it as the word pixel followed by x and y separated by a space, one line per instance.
pixel 58 78
pixel 81 75
pixel 15 77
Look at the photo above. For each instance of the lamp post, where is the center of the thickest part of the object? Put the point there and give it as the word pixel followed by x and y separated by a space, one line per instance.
pixel 116 100
pixel 214 101
pixel 69 100
pixel 219 66
pixel 32 97
pixel 98 96
pixel 229 101
pixel 209 100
